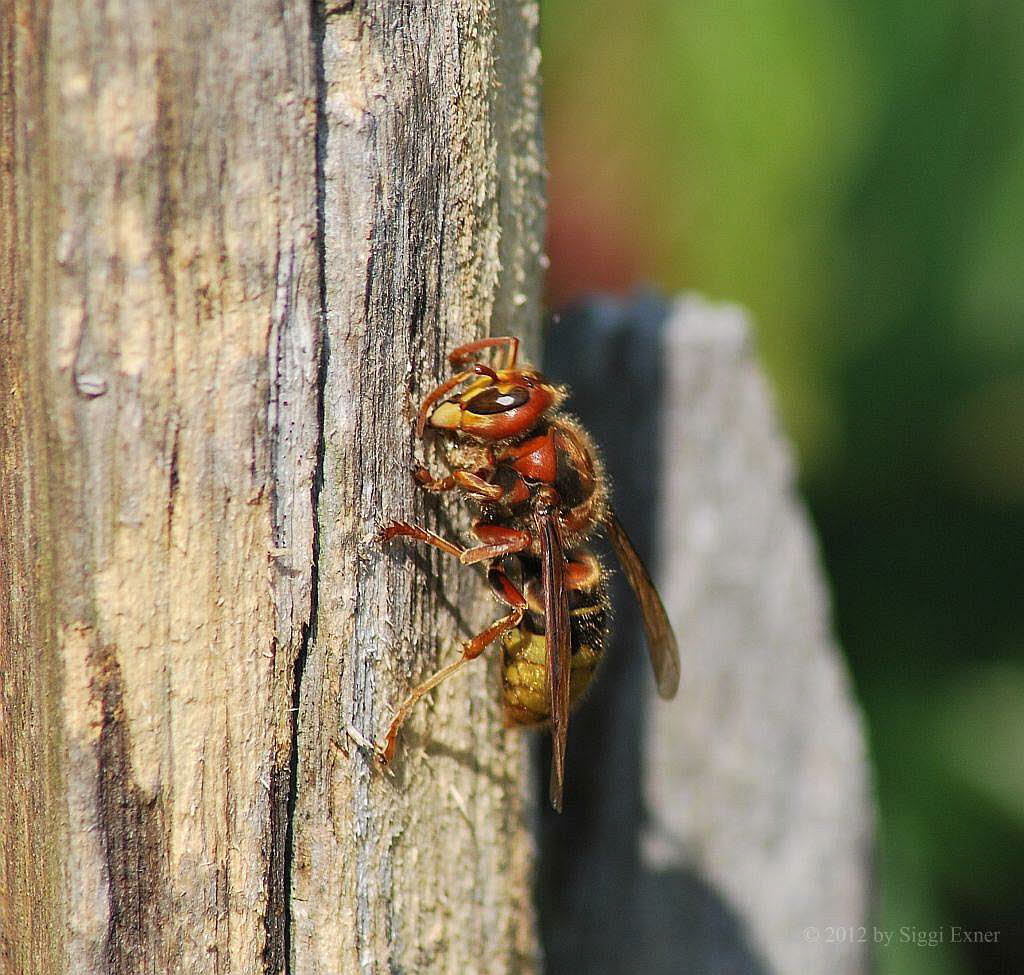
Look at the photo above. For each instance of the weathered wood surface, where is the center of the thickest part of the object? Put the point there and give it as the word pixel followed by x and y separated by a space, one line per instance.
pixel 721 832
pixel 163 410
pixel 433 221
pixel 159 398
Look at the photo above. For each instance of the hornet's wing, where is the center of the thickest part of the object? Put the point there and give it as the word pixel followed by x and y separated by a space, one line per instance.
pixel 661 641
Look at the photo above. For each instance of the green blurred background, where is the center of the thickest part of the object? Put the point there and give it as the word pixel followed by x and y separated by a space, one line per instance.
pixel 854 174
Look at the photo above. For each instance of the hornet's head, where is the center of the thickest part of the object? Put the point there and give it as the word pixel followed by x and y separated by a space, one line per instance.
pixel 497 405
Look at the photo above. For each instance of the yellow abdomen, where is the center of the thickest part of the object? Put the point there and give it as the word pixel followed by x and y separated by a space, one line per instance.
pixel 526 689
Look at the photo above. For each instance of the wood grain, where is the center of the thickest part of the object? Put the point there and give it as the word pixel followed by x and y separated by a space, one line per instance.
pixel 159 355
pixel 432 226
pixel 188 193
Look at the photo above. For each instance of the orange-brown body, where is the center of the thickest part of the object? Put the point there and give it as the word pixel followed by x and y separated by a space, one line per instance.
pixel 538 481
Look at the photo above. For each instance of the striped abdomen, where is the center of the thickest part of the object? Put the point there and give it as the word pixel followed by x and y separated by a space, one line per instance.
pixel 526 689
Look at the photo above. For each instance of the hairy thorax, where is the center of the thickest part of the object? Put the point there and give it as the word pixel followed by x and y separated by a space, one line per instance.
pixel 559 453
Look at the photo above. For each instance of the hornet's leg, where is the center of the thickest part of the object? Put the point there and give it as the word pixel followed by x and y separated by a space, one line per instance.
pixel 427 481
pixel 507 593
pixel 470 482
pixel 498 541
pixel 466 353
pixel 404 529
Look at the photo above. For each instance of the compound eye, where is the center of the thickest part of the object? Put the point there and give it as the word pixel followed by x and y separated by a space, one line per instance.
pixel 492 400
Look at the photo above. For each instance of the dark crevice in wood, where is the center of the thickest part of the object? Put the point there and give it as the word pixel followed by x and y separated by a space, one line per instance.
pixel 132 832
pixel 284 962
pixel 173 480
pixel 275 950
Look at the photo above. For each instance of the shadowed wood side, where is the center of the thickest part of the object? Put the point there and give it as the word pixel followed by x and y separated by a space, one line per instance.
pixel 31 799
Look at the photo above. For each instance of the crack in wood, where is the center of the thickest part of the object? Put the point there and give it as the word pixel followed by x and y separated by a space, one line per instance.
pixel 132 831
pixel 285 782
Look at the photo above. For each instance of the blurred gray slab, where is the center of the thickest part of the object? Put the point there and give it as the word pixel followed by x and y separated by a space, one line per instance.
pixel 730 829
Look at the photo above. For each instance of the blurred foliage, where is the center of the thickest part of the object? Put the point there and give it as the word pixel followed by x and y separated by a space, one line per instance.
pixel 853 174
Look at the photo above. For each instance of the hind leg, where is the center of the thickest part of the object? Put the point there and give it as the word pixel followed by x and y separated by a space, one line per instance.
pixel 507 592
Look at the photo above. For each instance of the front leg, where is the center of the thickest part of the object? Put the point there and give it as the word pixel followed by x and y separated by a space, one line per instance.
pixel 427 481
pixel 472 483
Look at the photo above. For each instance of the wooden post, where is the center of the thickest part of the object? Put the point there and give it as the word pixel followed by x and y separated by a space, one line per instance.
pixel 186 190
pixel 730 828
pixel 432 236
